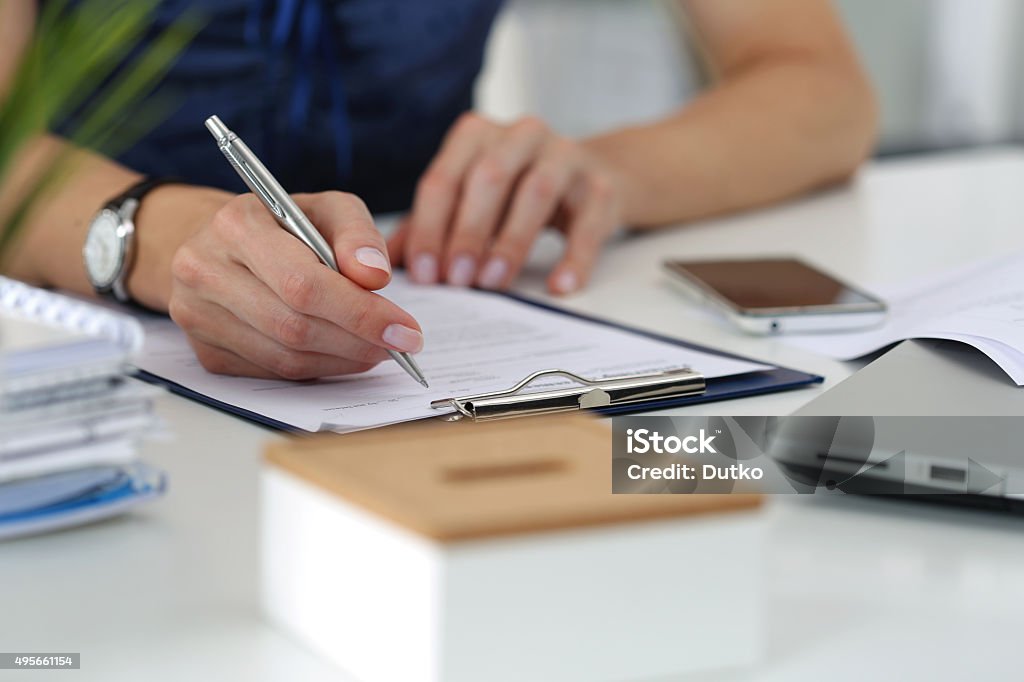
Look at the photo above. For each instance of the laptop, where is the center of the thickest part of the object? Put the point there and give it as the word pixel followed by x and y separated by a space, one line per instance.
pixel 934 421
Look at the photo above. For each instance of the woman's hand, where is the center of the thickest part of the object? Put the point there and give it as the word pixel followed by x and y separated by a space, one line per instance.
pixel 488 194
pixel 255 301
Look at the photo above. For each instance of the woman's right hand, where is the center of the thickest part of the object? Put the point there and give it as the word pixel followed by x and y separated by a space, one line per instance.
pixel 255 301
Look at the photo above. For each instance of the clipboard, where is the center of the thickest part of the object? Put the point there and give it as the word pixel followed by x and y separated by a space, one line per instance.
pixel 762 382
pixel 587 394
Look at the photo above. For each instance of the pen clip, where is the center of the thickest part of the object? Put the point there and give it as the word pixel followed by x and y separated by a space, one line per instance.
pixel 250 178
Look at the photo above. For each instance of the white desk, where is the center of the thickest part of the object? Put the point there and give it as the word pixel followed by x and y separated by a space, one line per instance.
pixel 856 589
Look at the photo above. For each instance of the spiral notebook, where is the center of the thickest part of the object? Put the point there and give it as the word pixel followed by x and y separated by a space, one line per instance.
pixel 77 497
pixel 51 343
pixel 70 418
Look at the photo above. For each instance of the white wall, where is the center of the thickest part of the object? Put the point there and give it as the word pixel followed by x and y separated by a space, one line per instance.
pixel 946 70
pixel 587 65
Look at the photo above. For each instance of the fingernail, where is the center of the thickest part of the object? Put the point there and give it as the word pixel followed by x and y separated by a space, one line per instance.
pixel 566 282
pixel 493 274
pixel 402 338
pixel 424 269
pixel 373 258
pixel 461 271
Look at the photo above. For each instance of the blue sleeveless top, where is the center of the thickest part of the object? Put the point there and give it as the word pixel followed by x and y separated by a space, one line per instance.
pixel 331 94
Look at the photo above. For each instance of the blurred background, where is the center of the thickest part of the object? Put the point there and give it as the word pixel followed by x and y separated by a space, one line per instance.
pixel 944 70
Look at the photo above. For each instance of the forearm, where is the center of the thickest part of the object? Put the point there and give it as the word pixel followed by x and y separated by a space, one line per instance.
pixel 48 250
pixel 770 132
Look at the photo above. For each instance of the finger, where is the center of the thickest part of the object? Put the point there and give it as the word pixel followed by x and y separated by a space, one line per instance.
pixel 292 272
pixel 396 242
pixel 253 302
pixel 535 202
pixel 346 223
pixel 488 185
pixel 590 226
pixel 221 329
pixel 437 194
pixel 222 361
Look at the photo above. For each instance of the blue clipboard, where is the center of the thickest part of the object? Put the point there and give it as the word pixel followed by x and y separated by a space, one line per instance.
pixel 722 388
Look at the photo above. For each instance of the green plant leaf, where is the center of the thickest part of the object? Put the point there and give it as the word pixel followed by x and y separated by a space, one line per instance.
pixel 85 59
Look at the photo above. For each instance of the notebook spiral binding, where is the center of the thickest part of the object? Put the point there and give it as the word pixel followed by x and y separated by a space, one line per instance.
pixel 68 313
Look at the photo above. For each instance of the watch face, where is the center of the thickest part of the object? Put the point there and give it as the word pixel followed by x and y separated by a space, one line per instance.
pixel 104 249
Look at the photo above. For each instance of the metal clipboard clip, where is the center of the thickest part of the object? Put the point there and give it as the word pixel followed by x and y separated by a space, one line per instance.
pixel 625 390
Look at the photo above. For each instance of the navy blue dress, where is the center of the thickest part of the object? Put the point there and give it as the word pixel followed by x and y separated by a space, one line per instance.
pixel 331 94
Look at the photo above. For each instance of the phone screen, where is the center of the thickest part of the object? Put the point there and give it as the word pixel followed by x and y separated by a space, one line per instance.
pixel 771 283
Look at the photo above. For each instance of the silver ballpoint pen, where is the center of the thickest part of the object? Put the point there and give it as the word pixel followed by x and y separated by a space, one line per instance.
pixel 285 211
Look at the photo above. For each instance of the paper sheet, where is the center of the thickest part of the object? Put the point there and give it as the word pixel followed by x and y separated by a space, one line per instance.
pixel 981 305
pixel 474 342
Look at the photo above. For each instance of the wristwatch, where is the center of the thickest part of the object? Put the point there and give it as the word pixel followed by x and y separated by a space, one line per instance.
pixel 109 249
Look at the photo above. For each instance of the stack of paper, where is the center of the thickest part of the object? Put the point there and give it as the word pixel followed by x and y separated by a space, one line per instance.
pixel 69 418
pixel 981 304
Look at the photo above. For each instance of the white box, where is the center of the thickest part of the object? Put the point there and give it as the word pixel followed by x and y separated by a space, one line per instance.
pixel 602 599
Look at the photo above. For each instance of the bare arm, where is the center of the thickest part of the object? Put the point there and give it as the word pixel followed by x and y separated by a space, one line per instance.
pixel 49 250
pixel 252 299
pixel 791 110
pixel 16 19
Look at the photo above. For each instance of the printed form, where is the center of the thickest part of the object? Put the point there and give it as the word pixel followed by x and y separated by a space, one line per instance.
pixel 475 342
pixel 980 304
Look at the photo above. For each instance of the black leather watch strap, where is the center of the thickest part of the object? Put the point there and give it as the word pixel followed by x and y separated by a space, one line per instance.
pixel 141 189
pixel 134 194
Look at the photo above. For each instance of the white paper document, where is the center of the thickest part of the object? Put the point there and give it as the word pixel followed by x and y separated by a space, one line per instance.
pixel 981 305
pixel 474 342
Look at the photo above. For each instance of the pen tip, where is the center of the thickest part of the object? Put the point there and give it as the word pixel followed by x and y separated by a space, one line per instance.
pixel 425 384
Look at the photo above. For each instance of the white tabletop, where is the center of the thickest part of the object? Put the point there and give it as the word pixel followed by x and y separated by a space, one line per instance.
pixel 855 588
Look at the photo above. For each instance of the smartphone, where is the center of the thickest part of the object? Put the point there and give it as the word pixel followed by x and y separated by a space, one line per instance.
pixel 778 295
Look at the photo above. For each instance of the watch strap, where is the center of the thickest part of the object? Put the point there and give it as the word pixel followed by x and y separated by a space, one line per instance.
pixel 141 189
pixel 118 289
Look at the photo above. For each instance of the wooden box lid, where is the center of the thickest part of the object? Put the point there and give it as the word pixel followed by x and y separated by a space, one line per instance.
pixel 460 481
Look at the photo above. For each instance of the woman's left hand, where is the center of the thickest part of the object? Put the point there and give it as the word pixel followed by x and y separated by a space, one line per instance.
pixel 489 193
